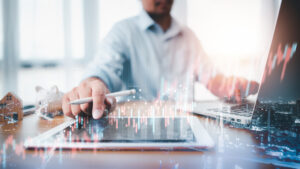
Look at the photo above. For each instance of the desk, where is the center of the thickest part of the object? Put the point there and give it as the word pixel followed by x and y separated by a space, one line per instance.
pixel 234 148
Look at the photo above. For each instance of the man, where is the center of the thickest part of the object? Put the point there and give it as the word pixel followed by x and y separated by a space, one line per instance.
pixel 141 52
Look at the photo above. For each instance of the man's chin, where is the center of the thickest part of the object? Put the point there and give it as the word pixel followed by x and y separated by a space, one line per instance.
pixel 163 11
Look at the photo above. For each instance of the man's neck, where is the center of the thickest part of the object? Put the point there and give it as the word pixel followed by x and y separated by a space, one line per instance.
pixel 164 21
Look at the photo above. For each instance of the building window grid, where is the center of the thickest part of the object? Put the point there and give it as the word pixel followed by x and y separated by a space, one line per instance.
pixel 8 98
pixel 2 105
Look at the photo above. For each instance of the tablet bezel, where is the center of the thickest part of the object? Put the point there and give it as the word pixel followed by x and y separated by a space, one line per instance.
pixel 203 140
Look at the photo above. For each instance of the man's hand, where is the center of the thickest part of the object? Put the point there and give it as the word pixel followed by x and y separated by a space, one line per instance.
pixel 91 87
pixel 232 87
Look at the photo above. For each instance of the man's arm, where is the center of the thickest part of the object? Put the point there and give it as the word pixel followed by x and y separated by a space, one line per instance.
pixel 221 86
pixel 102 76
pixel 231 87
pixel 107 65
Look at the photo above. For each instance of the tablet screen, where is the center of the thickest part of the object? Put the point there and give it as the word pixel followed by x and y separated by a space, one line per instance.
pixel 119 130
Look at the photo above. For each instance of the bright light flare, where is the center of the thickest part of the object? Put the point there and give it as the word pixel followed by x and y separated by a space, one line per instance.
pixel 235 34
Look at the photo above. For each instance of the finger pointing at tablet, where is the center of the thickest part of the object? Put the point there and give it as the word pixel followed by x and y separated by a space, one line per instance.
pixel 91 87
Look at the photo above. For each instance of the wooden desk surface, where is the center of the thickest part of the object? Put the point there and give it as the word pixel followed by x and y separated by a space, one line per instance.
pixel 234 147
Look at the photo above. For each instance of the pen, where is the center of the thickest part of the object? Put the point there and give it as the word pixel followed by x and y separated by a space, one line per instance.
pixel 115 94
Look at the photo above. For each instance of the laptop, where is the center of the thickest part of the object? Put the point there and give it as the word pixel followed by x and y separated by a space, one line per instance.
pixel 280 81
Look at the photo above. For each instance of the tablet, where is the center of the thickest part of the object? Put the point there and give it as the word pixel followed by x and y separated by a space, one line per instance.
pixel 126 133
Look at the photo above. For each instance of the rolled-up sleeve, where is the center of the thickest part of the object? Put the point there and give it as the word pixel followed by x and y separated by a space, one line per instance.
pixel 107 65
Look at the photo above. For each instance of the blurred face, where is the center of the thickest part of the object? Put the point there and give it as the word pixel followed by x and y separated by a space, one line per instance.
pixel 157 7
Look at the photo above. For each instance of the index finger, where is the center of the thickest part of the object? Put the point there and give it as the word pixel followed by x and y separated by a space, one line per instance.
pixel 98 95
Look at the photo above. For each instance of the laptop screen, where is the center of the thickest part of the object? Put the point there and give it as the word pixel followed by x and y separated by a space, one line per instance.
pixel 276 118
pixel 281 82
pixel 278 102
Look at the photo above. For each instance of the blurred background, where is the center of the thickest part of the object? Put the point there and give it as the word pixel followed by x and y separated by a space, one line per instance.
pixel 49 42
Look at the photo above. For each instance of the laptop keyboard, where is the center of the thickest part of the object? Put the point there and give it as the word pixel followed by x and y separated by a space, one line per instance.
pixel 240 110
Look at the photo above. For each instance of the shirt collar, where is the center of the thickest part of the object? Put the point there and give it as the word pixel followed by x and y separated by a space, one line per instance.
pixel 174 30
pixel 146 22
